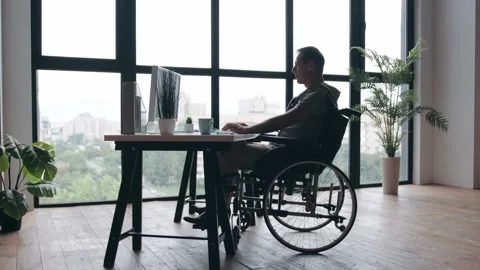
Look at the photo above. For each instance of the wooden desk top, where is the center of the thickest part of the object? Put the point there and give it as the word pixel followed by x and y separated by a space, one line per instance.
pixel 181 137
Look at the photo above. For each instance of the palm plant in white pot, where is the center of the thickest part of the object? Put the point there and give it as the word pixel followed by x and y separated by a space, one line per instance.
pixel 391 104
pixel 168 95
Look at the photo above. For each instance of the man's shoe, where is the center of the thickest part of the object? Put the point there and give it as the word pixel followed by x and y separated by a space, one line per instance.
pixel 195 220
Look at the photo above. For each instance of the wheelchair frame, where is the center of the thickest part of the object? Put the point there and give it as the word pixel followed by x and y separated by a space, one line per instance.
pixel 247 202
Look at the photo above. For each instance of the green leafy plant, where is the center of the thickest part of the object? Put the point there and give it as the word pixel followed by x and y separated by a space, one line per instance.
pixel 36 165
pixel 390 103
pixel 189 120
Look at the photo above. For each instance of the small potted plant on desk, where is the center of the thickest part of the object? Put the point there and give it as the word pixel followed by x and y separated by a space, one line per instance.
pixel 389 106
pixel 167 102
pixel 188 125
pixel 36 164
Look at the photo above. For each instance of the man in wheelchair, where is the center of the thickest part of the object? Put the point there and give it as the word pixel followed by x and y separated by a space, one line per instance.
pixel 304 119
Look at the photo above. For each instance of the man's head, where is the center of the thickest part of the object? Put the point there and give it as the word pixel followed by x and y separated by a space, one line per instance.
pixel 308 65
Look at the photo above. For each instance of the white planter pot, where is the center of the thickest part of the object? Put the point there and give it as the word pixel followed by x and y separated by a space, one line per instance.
pixel 391 175
pixel 167 126
pixel 188 128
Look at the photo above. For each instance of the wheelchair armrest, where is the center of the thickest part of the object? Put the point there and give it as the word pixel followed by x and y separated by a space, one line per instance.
pixel 286 140
pixel 350 112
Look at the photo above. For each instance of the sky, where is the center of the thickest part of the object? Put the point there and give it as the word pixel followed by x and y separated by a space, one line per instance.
pixel 177 33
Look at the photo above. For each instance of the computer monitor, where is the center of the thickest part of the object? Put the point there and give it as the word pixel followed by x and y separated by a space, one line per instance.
pixel 160 77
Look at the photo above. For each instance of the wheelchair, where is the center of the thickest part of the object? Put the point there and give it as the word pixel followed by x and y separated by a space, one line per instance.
pixel 308 204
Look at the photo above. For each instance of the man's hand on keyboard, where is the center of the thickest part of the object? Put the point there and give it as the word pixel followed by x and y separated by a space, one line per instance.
pixel 239 128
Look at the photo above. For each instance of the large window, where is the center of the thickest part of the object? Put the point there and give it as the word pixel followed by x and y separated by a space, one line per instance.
pixel 384 23
pixel 384 20
pixel 173 33
pixel 250 100
pixel 252 35
pixel 324 24
pixel 235 59
pixel 74 115
pixel 78 28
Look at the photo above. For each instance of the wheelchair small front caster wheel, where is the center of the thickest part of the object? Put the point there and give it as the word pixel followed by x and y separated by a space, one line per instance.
pixel 341 228
pixel 245 219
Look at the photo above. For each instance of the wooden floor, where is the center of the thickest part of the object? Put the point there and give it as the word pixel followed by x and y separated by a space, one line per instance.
pixel 424 227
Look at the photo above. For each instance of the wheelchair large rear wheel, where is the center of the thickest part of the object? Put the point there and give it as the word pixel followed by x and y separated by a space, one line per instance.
pixel 310 206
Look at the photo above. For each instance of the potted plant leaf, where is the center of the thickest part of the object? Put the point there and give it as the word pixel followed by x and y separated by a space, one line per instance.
pixel 36 165
pixel 391 104
pixel 188 125
pixel 168 95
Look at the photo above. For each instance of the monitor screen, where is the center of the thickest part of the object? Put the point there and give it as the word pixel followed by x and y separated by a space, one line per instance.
pixel 164 94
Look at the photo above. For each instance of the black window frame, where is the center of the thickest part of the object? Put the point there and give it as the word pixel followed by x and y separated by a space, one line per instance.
pixel 125 64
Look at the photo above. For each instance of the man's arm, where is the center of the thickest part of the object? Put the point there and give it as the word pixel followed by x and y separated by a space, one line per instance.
pixel 293 116
pixel 312 104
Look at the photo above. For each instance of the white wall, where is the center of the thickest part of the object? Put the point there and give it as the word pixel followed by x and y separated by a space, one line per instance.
pixel 17 78
pixel 446 76
pixel 454 90
pixel 476 153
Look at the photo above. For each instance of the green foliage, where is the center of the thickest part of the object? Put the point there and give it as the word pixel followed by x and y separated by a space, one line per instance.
pixel 36 164
pixel 388 106
pixel 92 172
pixel 13 203
pixel 189 120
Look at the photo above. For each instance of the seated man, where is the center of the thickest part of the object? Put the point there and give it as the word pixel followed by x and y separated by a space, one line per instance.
pixel 303 118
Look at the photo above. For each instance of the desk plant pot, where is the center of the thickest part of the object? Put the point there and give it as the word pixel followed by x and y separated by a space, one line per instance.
pixel 8 223
pixel 391 104
pixel 34 174
pixel 167 126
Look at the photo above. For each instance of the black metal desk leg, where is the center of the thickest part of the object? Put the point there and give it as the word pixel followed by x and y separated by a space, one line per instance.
pixel 128 165
pixel 137 187
pixel 193 184
pixel 187 168
pixel 209 159
pixel 223 218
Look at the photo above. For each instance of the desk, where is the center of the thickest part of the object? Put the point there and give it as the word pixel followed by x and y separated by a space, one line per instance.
pixel 132 147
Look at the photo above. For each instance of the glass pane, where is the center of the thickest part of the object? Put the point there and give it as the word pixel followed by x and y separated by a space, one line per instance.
pixel 384 29
pixel 78 28
pixel 174 33
pixel 314 25
pixel 76 110
pixel 371 151
pixel 343 156
pixel 162 171
pixel 249 39
pixel 195 97
pixel 250 100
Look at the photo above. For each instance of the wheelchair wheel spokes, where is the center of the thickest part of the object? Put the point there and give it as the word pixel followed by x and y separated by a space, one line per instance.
pixel 310 206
